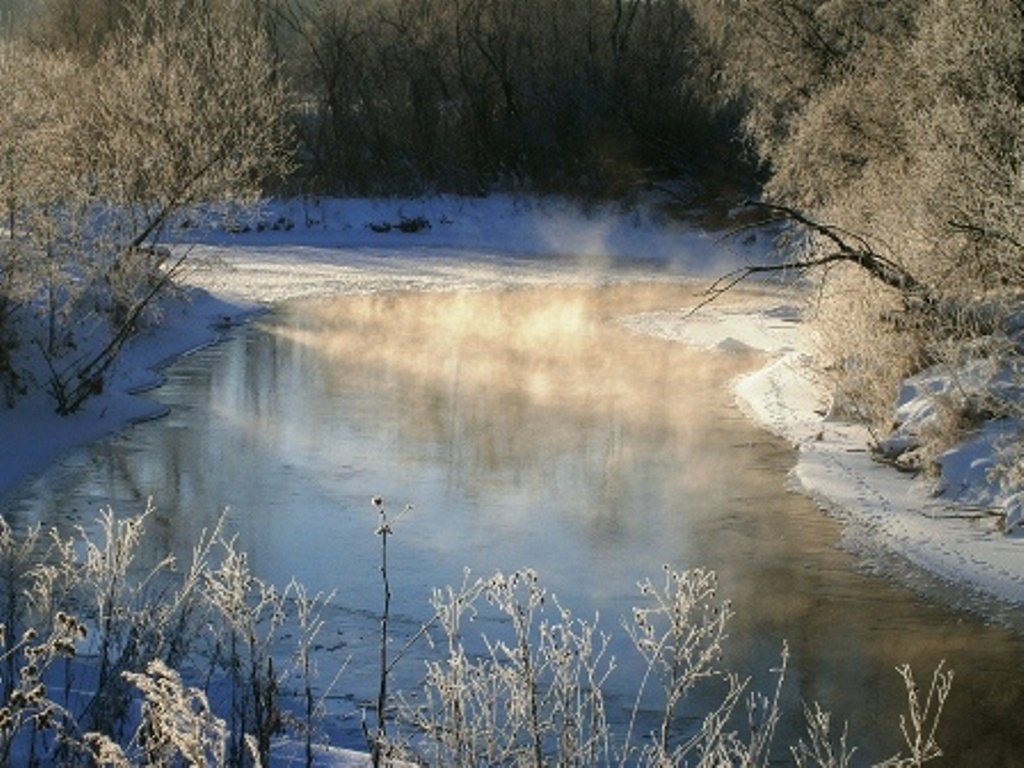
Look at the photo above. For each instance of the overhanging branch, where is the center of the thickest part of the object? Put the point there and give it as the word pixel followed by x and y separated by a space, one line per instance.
pixel 73 387
pixel 848 247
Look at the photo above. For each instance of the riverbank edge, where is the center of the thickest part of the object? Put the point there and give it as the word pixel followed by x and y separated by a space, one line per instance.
pixel 889 517
pixel 881 508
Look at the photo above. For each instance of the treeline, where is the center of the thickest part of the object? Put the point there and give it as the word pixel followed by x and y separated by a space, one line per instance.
pixel 579 96
pixel 400 96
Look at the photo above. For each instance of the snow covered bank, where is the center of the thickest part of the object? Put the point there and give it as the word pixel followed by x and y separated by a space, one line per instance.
pixel 310 248
pixel 34 436
pixel 327 247
pixel 949 535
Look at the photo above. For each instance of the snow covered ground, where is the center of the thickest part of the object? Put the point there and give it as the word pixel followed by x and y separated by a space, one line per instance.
pixel 316 248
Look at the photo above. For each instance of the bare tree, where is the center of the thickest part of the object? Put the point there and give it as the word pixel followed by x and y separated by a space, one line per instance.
pixel 586 96
pixel 181 105
pixel 900 122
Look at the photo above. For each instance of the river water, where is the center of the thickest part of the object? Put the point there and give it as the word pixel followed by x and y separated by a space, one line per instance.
pixel 526 428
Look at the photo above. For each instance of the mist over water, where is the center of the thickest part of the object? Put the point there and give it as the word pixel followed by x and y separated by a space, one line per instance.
pixel 528 428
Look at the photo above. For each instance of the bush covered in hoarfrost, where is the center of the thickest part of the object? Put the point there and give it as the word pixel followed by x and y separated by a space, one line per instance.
pixel 105 661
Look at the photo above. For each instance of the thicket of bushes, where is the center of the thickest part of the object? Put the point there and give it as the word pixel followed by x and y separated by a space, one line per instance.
pixel 399 96
pixel 900 125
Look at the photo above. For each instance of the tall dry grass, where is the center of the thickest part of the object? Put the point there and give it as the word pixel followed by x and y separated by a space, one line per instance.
pixel 105 660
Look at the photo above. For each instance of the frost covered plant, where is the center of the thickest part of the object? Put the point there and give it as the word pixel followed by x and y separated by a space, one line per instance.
pixel 378 740
pixel 28 712
pixel 532 693
pixel 535 694
pixel 101 639
pixel 531 697
pixel 821 748
pixel 177 724
pixel 680 631
pixel 309 616
pixel 528 691
pixel 17 562
pixel 250 612
pixel 680 634
pixel 119 610
pixel 92 583
pixel 920 724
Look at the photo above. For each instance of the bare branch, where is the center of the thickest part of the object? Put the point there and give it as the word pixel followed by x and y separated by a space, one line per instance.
pixel 986 233
pixel 880 267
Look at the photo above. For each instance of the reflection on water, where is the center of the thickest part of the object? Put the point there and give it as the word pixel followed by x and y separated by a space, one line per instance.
pixel 528 429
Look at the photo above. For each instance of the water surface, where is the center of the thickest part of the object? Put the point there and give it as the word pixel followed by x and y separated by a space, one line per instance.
pixel 528 428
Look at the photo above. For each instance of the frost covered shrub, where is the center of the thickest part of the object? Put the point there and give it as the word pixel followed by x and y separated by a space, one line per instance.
pixel 680 631
pixel 899 126
pixel 176 723
pixel 533 694
pixel 104 147
pixel 105 661
pixel 863 359
pixel 94 646
pixel 532 697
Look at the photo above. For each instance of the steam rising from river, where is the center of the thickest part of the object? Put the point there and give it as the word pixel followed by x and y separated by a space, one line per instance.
pixel 521 377
pixel 553 347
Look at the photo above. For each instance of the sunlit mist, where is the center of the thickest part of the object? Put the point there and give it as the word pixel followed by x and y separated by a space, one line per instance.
pixel 553 348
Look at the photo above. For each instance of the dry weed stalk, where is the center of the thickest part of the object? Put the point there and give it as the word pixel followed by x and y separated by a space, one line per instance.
pixel 532 698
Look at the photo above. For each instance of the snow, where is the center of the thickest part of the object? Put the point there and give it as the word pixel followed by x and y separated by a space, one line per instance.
pixel 286 753
pixel 308 248
pixel 953 529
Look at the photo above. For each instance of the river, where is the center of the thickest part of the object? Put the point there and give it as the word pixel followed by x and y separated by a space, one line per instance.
pixel 527 428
